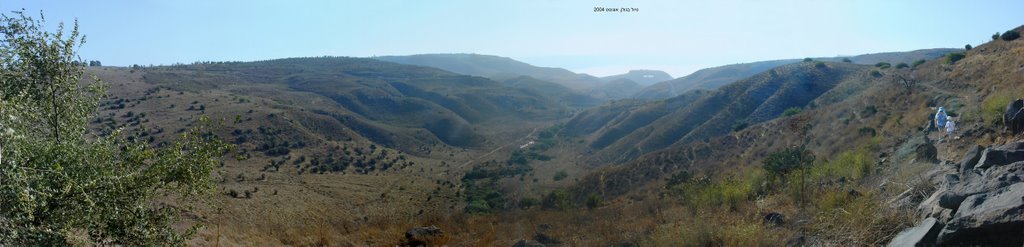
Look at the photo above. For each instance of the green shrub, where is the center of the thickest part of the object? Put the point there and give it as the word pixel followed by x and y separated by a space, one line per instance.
pixel 917 63
pixel 995 36
pixel 739 125
pixel 594 201
pixel 528 202
pixel 557 199
pixel 791 111
pixel 902 66
pixel 820 65
pixel 1010 35
pixel 560 175
pixel 994 105
pixel 951 58
pixel 847 60
pixel 968 47
pixel 783 162
pixel 808 59
pixel 883 65
pixel 876 74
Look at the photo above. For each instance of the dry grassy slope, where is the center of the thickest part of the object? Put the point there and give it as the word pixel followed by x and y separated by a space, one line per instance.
pixel 989 70
pixel 648 127
pixel 297 202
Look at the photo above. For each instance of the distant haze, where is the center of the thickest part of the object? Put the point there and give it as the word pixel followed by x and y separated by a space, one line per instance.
pixel 677 37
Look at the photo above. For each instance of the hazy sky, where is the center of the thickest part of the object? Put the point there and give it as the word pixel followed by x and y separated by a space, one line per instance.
pixel 676 36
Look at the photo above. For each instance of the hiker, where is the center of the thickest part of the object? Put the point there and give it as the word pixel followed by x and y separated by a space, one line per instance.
pixel 940 119
pixel 950 127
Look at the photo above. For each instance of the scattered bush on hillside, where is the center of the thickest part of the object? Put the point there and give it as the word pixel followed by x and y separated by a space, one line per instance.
pixel 917 63
pixel 1010 35
pixel 883 65
pixel 560 175
pixel 791 111
pixel 994 105
pixel 867 131
pixel 594 200
pixel 780 163
pixel 951 58
pixel 847 60
pixel 820 65
pixel 968 47
pixel 995 36
pixel 902 66
pixel 808 60
pixel 739 125
pixel 528 202
pixel 876 74
pixel 557 199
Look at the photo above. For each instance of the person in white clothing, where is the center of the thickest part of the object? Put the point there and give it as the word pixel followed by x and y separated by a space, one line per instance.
pixel 950 127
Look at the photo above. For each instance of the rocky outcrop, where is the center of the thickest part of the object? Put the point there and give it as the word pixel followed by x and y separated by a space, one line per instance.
pixel 919 148
pixel 923 234
pixel 980 202
pixel 1013 117
pixel 424 236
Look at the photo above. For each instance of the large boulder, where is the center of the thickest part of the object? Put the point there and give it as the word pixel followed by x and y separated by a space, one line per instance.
pixel 971 158
pixel 990 219
pixel 999 156
pixel 424 236
pixel 1013 117
pixel 923 234
pixel 920 148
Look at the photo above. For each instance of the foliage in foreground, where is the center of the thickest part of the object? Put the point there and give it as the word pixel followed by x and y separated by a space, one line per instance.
pixel 61 185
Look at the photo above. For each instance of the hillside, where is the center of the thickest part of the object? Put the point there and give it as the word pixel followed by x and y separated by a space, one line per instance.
pixel 711 78
pixel 615 89
pixel 621 133
pixel 641 77
pixel 496 68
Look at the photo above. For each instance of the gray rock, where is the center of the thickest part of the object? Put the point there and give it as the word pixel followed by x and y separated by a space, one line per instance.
pixel 918 147
pixel 422 236
pixel 950 200
pixel 1012 117
pixel 923 234
pixel 994 218
pixel 971 158
pixel 995 157
pixel 527 243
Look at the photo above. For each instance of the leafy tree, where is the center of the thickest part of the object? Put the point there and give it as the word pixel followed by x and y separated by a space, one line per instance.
pixel 780 163
pixel 847 60
pixel 59 182
pixel 951 58
pixel 1010 35
pixel 820 65
pixel 995 36
pixel 968 47
pixel 808 59
pixel 556 199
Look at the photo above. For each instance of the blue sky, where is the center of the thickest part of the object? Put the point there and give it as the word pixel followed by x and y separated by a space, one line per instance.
pixel 676 36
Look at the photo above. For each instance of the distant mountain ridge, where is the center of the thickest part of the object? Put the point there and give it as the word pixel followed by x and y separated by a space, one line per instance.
pixel 641 76
pixel 496 67
pixel 712 78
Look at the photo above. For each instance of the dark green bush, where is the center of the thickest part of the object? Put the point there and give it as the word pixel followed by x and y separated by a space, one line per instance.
pixel 808 59
pixel 876 74
pixel 847 60
pixel 968 47
pixel 902 65
pixel 1010 35
pixel 917 63
pixel 556 199
pixel 791 111
pixel 560 175
pixel 783 162
pixel 883 65
pixel 820 65
pixel 995 36
pixel 951 58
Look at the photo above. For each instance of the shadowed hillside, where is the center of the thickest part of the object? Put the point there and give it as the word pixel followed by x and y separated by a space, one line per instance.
pixel 388 103
pixel 496 68
pixel 711 78
pixel 630 130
